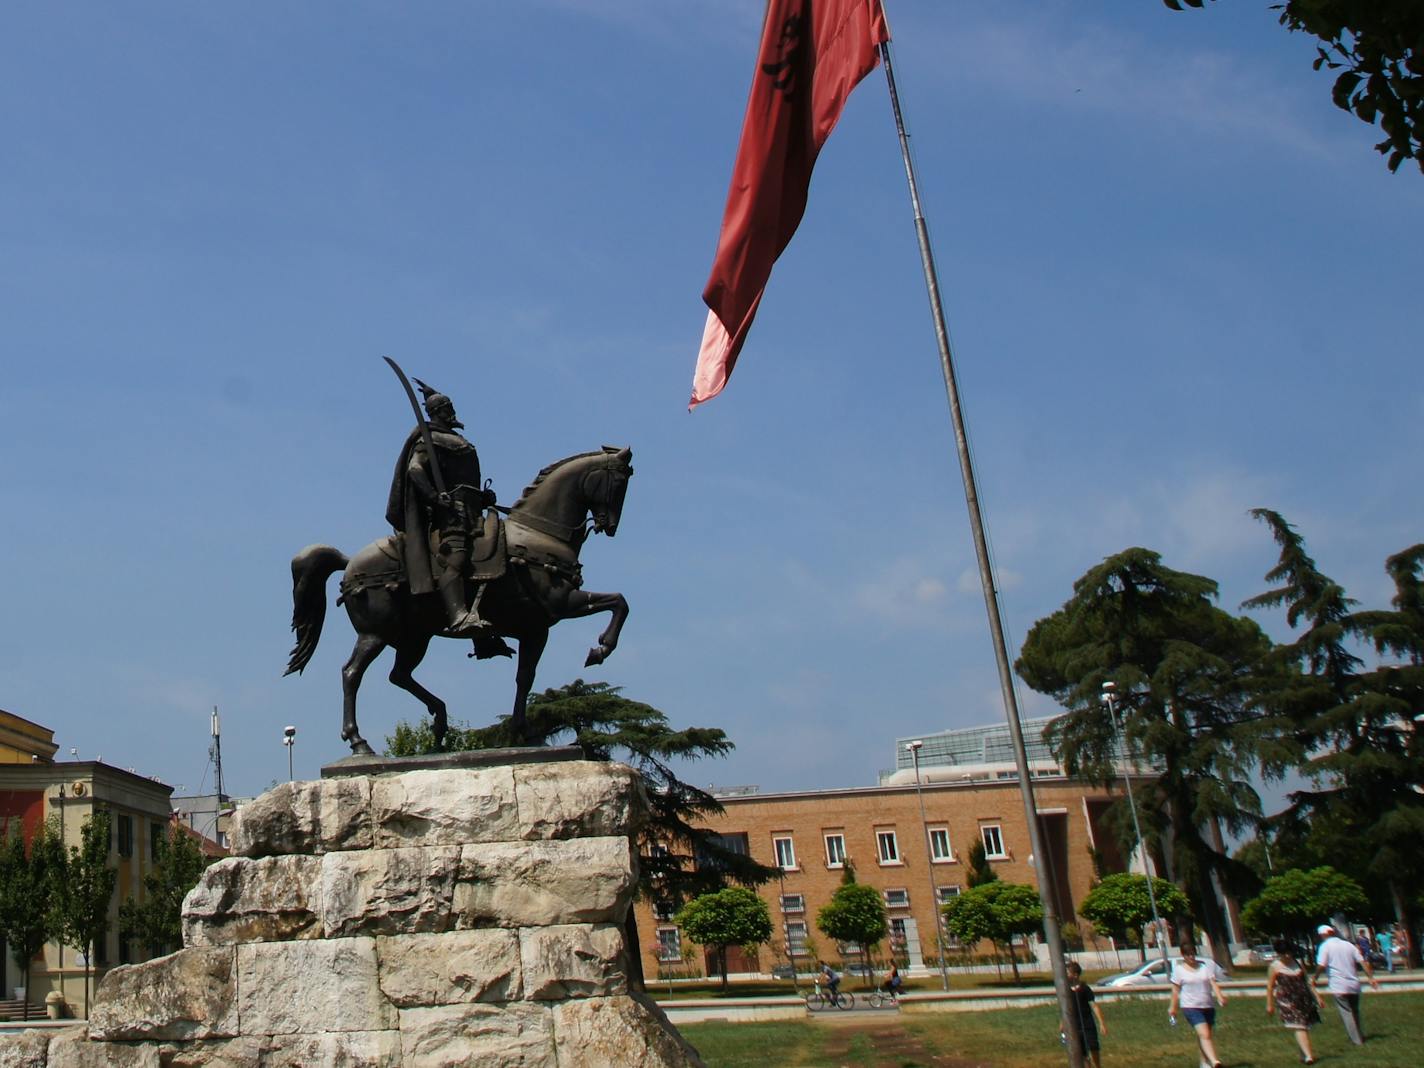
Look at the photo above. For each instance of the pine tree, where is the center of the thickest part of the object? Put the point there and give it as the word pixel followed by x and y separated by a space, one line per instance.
pixel 1351 727
pixel 980 870
pixel 1185 671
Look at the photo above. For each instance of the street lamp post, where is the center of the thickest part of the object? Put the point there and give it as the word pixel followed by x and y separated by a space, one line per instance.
pixel 914 748
pixel 62 846
pixel 1109 692
pixel 289 739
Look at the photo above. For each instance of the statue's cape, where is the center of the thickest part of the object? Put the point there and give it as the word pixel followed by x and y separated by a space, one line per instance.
pixel 404 513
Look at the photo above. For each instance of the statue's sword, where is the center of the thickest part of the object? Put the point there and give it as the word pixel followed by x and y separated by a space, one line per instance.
pixel 424 427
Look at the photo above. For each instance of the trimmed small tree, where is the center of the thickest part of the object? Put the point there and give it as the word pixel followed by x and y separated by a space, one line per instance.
pixel 84 891
pixel 27 886
pixel 997 911
pixel 735 916
pixel 1293 902
pixel 156 922
pixel 855 913
pixel 1120 903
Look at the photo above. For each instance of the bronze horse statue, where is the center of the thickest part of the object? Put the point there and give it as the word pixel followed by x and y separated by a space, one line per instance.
pixel 533 585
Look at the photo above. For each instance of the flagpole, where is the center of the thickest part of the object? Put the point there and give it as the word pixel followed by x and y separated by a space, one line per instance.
pixel 1044 860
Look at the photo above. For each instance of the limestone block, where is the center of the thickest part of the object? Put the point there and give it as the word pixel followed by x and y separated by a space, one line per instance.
pixel 305 817
pixel 185 995
pixel 446 806
pixel 448 969
pixel 310 987
pixel 388 891
pixel 243 1052
pixel 537 884
pixel 626 1030
pixel 578 799
pixel 576 960
pixel 28 1049
pixel 242 900
pixel 343 1049
pixel 517 1035
pixel 72 1048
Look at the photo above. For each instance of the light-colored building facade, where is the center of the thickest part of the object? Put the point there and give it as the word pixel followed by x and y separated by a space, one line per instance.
pixel 34 788
pixel 916 865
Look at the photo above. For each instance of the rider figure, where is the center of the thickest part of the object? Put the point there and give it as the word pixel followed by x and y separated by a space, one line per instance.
pixel 833 981
pixel 455 517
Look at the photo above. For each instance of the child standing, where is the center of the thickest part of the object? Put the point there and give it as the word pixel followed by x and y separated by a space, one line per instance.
pixel 1090 1017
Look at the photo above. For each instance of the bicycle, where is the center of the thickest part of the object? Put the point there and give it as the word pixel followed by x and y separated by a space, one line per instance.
pixel 879 998
pixel 819 999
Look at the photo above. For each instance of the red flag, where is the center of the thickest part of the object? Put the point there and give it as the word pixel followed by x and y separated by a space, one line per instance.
pixel 813 53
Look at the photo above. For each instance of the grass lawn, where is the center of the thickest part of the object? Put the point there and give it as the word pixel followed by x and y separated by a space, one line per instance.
pixel 1138 1037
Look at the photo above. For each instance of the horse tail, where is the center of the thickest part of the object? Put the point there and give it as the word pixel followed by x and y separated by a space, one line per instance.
pixel 310 569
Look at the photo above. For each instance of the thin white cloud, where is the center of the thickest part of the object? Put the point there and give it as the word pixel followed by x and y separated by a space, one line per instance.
pixel 1066 61
pixel 903 592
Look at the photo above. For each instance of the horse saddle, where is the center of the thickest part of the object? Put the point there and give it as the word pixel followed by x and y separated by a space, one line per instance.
pixel 488 558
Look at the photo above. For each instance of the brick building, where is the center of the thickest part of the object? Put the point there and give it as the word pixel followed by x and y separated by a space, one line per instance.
pixel 811 835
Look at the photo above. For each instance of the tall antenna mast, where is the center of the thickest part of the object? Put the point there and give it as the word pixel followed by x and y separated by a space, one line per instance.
pixel 217 753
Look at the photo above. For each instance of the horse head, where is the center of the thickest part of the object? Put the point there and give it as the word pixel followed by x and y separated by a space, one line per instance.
pixel 563 496
pixel 606 484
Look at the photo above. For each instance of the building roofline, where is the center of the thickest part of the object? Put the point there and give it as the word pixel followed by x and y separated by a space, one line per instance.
pixel 109 770
pixel 901 788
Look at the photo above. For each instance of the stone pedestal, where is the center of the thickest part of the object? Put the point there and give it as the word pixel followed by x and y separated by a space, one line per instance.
pixel 432 917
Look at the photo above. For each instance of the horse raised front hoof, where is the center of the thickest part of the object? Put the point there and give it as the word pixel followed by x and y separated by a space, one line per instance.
pixel 597 655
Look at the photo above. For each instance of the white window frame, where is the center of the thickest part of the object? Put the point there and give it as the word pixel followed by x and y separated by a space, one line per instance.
pixel 785 859
pixel 796 947
pixel 793 902
pixel 880 836
pixel 1003 852
pixel 947 857
pixel 902 898
pixel 946 894
pixel 838 837
pixel 663 946
pixel 898 932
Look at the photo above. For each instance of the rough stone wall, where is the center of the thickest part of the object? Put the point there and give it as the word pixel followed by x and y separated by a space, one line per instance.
pixel 454 916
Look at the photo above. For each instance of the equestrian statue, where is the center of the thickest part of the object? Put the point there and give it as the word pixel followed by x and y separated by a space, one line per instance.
pixel 455 568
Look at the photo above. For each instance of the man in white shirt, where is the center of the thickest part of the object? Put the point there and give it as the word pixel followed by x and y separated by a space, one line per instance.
pixel 1338 959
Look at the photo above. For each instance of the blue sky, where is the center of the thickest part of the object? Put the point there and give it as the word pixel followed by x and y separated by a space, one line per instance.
pixel 1179 281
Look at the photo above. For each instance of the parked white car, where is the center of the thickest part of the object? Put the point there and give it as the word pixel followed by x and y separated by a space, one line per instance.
pixel 1154 971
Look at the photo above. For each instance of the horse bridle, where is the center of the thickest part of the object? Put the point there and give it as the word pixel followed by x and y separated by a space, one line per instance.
pixel 598 511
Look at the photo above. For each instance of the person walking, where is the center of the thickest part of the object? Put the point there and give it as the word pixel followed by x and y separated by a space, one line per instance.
pixel 1290 993
pixel 1090 1017
pixel 1385 938
pixel 1337 960
pixel 1195 986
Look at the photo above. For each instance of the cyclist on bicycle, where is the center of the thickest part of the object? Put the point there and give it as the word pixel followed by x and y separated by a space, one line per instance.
pixel 893 982
pixel 833 981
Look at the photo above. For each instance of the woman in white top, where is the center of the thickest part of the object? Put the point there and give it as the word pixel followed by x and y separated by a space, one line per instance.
pixel 1194 987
